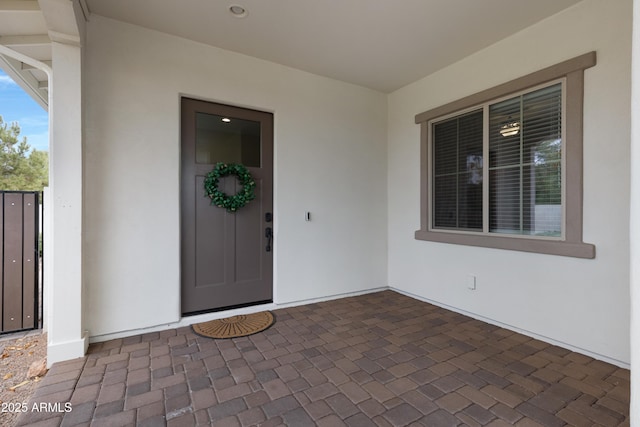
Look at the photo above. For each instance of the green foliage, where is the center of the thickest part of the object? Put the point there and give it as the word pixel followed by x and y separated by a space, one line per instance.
pixel 222 200
pixel 20 167
pixel 548 170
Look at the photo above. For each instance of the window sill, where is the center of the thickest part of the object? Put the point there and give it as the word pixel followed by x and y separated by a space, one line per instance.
pixel 549 247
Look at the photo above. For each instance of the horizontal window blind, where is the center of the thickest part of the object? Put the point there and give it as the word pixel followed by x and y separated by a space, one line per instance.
pixel 457 178
pixel 525 158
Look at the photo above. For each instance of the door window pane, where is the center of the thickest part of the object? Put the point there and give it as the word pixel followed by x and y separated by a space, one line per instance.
pixel 227 139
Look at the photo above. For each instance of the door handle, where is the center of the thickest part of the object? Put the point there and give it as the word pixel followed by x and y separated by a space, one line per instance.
pixel 268 233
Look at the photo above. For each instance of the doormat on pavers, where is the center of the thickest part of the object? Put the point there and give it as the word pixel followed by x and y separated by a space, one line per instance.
pixel 235 326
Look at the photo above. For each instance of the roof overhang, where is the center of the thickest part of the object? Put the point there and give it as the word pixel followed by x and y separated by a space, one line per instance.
pixel 27 30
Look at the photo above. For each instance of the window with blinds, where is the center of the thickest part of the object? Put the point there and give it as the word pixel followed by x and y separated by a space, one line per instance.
pixel 520 192
pixel 502 168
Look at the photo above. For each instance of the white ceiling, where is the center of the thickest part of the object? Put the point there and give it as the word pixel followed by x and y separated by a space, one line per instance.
pixel 23 31
pixel 380 44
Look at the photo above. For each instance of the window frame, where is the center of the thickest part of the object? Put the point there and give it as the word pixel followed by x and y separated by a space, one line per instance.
pixel 570 244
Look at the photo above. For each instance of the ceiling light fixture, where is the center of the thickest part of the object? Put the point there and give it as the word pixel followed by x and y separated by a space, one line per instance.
pixel 226 120
pixel 238 11
pixel 510 129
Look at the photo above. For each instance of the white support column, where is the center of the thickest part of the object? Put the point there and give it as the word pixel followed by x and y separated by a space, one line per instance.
pixel 634 232
pixel 67 339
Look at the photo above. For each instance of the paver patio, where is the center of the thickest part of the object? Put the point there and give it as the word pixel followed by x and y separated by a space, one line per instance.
pixel 381 359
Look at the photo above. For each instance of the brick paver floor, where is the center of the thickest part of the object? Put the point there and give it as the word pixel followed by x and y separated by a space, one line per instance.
pixel 381 359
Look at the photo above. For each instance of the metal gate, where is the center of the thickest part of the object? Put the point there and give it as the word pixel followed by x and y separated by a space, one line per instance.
pixel 19 256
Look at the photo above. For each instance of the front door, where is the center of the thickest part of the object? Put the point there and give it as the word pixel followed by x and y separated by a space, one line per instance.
pixel 227 257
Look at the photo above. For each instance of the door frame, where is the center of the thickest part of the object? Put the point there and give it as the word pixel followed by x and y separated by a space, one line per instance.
pixel 189 107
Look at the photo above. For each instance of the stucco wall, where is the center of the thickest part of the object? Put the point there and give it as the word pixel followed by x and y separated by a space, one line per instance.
pixel 580 303
pixel 350 156
pixel 330 159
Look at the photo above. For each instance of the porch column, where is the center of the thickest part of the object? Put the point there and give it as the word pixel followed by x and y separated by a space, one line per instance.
pixel 67 339
pixel 634 232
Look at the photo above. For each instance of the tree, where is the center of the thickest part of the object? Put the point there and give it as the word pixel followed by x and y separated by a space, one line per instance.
pixel 548 168
pixel 21 168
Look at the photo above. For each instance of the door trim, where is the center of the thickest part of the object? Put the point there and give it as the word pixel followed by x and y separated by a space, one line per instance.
pixel 190 169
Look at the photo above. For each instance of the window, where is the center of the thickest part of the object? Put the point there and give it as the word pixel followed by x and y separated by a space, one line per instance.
pixel 503 168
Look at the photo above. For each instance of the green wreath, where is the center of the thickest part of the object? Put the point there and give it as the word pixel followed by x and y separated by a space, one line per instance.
pixel 222 200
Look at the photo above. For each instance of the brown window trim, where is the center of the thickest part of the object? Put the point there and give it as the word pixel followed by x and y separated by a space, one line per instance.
pixel 572 245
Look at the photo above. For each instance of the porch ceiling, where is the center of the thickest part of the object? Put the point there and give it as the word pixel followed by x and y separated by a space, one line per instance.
pixel 379 44
pixel 27 29
pixel 23 31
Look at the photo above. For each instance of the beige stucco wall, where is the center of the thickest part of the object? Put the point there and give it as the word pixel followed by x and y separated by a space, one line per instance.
pixel 582 304
pixel 330 159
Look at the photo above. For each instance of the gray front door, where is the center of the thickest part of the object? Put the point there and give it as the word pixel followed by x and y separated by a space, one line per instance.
pixel 227 257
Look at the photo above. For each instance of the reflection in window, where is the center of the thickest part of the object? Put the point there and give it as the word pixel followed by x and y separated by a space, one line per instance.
pixel 524 170
pixel 227 139
pixel 457 163
pixel 525 184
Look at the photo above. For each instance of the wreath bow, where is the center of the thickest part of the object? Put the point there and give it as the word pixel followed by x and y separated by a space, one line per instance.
pixel 218 197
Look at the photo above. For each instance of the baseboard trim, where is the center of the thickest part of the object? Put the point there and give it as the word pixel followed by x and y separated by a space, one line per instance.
pixel 188 321
pixel 534 335
pixel 205 317
pixel 67 350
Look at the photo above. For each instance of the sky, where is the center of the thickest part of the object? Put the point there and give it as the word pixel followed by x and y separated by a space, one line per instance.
pixel 17 106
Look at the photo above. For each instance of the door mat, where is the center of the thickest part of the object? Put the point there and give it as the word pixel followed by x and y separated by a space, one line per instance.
pixel 235 326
